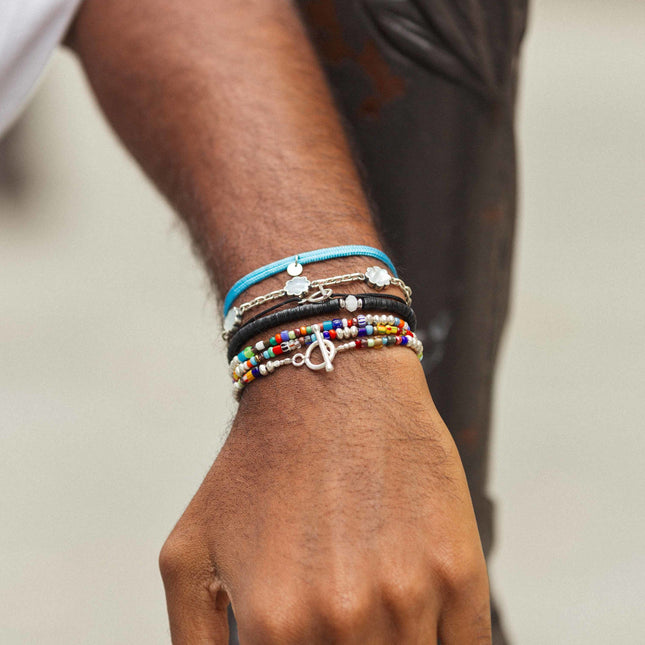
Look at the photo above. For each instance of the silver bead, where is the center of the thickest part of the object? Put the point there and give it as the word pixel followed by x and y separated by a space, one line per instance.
pixel 350 303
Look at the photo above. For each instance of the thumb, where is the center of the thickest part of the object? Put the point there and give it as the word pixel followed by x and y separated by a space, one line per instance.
pixel 197 606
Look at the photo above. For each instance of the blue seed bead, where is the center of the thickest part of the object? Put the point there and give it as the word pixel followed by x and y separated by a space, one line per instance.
pixel 362 331
pixel 255 371
pixel 254 361
pixel 326 335
pixel 369 330
pixel 361 320
pixel 242 356
pixel 327 325
pixel 404 340
pixel 284 335
pixel 337 323
pixel 266 354
pixel 397 322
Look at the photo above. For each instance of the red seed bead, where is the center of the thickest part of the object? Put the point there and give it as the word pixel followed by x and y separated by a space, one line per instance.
pixel 332 334
pixel 357 342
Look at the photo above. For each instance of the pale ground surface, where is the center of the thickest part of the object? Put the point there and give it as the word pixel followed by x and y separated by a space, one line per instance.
pixel 113 396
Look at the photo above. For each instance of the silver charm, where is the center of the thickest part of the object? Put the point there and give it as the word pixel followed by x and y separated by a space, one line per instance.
pixel 295 268
pixel 377 277
pixel 297 286
pixel 232 320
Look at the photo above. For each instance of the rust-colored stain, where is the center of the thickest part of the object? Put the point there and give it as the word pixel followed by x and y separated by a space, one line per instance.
pixel 328 34
pixel 467 438
pixel 493 215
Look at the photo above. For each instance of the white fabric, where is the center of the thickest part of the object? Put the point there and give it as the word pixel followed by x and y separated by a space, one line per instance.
pixel 29 33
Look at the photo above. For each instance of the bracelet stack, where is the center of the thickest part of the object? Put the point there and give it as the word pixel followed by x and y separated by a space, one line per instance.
pixel 347 330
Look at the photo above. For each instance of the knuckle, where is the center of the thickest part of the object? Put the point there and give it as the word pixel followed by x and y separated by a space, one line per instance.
pixel 344 611
pixel 172 558
pixel 405 593
pixel 463 573
pixel 270 624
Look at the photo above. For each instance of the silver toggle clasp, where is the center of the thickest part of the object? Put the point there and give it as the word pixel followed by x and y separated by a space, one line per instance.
pixel 327 349
pixel 321 295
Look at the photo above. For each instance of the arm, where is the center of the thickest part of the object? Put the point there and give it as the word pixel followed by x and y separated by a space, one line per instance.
pixel 339 511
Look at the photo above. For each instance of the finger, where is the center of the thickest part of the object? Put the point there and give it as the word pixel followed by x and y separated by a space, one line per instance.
pixel 195 619
pixel 197 610
pixel 466 620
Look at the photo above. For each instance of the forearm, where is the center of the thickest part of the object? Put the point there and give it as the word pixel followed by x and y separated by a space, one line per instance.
pixel 225 107
pixel 338 500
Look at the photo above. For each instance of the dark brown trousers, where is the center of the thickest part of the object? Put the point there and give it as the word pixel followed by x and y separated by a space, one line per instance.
pixel 427 90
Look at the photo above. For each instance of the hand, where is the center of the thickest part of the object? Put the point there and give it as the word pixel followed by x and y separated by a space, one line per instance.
pixel 337 511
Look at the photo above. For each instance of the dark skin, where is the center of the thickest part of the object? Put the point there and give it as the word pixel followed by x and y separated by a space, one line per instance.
pixel 337 510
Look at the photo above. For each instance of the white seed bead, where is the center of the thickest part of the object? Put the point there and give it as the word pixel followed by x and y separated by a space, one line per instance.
pixel 354 332
pixel 390 320
pixel 263 370
pixel 259 346
pixel 270 366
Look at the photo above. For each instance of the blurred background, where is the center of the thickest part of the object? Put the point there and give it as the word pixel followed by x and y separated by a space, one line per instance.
pixel 114 399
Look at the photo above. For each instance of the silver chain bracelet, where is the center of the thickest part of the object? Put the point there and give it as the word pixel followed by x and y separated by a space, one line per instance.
pixel 376 277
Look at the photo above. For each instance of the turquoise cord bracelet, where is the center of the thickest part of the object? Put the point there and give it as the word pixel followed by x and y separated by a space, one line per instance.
pixel 303 258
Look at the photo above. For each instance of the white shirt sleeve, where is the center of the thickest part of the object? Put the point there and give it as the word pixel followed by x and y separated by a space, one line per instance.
pixel 29 33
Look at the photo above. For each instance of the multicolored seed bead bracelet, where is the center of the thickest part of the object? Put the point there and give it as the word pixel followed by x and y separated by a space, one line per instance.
pixel 329 351
pixel 341 329
pixel 311 310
